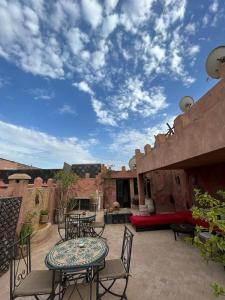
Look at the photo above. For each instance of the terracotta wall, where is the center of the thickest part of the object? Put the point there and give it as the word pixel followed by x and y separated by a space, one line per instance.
pixel 35 197
pixel 208 178
pixel 109 184
pixel 200 130
pixel 198 139
pixel 109 192
pixel 87 187
pixel 8 164
pixel 169 190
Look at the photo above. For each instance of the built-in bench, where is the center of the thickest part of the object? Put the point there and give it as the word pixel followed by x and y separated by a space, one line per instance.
pixel 160 221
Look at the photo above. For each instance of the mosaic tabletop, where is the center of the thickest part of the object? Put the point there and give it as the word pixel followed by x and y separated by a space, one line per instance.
pixel 77 253
pixel 88 215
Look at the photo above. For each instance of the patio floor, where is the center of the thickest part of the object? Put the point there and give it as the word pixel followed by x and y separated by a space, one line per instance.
pixel 161 268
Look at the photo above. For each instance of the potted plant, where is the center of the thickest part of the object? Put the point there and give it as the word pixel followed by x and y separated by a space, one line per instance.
pixel 43 216
pixel 65 180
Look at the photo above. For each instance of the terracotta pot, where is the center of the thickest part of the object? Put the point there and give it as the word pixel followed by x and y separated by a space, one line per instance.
pixel 59 216
pixel 43 219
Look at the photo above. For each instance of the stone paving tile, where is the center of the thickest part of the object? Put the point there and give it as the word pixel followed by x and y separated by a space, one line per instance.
pixel 161 268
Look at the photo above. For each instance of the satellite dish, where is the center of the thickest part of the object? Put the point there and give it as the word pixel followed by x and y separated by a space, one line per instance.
pixel 186 103
pixel 214 59
pixel 132 163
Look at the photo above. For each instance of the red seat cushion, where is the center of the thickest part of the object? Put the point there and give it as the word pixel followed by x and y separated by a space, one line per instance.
pixel 198 222
pixel 169 218
pixel 160 219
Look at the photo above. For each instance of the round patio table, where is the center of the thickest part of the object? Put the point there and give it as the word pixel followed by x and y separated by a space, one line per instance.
pixel 77 253
pixel 88 216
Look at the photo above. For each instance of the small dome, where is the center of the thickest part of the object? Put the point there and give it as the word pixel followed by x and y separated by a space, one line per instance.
pixel 18 176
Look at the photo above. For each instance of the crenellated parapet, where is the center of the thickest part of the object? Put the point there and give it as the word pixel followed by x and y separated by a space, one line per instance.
pixel 198 131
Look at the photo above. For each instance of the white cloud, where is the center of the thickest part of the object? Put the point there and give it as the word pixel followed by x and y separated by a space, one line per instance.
pixel 76 40
pixel 109 25
pixel 191 28
pixel 42 94
pixel 103 116
pixel 148 39
pixel 205 20
pixel 92 12
pixel 110 5
pixel 84 87
pixel 134 98
pixel 136 12
pixel 41 149
pixel 193 50
pixel 67 109
pixel 130 139
pixel 214 6
pixel 4 81
pixel 173 11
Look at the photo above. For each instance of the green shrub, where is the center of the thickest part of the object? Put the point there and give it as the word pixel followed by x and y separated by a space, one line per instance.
pixel 26 230
pixel 65 180
pixel 211 210
pixel 44 212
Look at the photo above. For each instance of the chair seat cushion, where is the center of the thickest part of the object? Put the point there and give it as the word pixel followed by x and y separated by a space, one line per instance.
pixel 80 291
pixel 98 224
pixel 36 282
pixel 61 226
pixel 114 268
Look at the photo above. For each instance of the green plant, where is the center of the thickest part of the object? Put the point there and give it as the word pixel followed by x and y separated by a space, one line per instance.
pixel 72 203
pixel 27 229
pixel 44 212
pixel 211 210
pixel 65 181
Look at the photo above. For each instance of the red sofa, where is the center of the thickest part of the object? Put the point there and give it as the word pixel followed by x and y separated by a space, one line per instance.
pixel 160 221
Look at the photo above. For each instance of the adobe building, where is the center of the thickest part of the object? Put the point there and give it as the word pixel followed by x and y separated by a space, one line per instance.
pixel 6 164
pixel 96 183
pixel 120 186
pixel 193 156
pixel 105 186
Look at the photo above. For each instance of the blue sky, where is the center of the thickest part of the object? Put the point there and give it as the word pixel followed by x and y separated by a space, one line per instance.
pixel 90 81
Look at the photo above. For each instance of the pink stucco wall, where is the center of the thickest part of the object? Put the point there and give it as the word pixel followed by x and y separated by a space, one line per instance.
pixel 201 130
pixel 197 148
pixel 9 164
pixel 46 193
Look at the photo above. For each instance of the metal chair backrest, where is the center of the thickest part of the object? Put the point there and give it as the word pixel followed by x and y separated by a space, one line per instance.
pixel 85 227
pixel 127 248
pixel 72 226
pixel 93 207
pixel 20 263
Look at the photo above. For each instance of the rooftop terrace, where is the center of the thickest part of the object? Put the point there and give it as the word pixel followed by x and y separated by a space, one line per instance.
pixel 161 267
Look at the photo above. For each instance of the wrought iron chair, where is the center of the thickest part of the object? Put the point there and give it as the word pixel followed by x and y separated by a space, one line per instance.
pixel 93 207
pixel 25 282
pixel 84 290
pixel 85 228
pixel 97 228
pixel 72 226
pixel 117 269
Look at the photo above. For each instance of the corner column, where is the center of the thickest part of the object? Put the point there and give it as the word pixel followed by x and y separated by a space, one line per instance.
pixel 141 193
